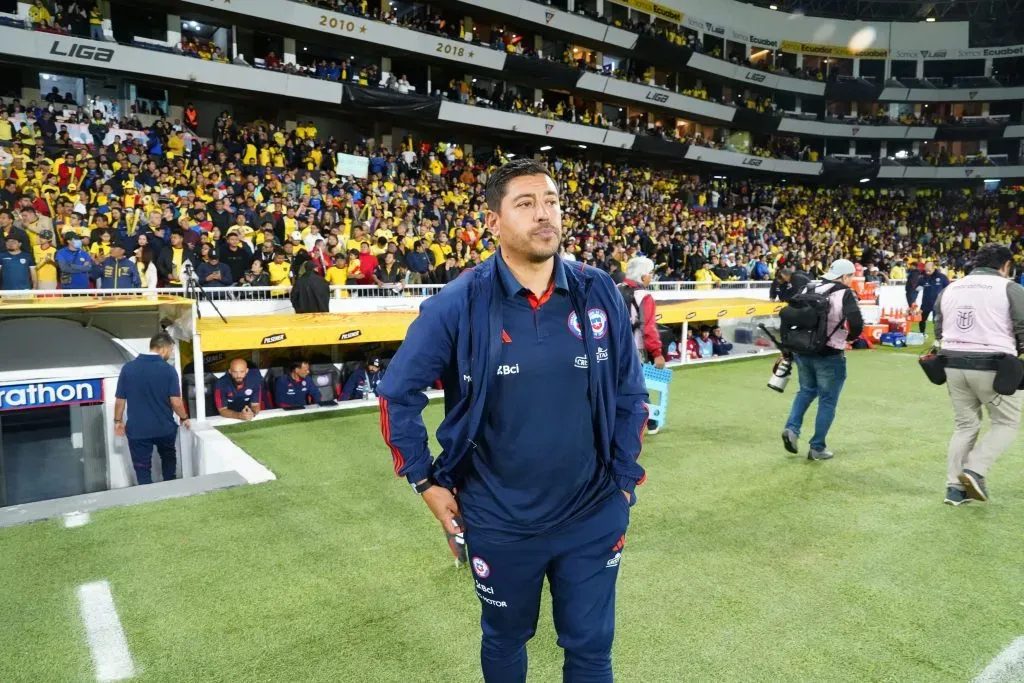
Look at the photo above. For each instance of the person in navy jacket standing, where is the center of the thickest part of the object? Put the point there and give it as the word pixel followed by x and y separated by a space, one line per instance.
pixel 545 411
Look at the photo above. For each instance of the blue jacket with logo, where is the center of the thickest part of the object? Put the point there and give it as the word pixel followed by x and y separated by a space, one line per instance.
pixel 117 274
pixel 457 337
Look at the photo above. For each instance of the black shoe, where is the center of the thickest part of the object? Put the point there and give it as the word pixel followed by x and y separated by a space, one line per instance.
pixel 974 484
pixel 790 440
pixel 955 496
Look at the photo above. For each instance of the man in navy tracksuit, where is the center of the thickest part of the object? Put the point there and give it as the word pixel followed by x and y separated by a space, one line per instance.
pixel 932 282
pixel 545 411
pixel 239 393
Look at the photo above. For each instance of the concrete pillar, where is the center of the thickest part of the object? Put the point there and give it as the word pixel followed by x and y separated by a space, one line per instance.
pixel 798 107
pixel 916 147
pixel 800 60
pixel 538 94
pixel 385 65
pixel 919 68
pixel 430 89
pixel 234 42
pixel 986 108
pixel 983 147
pixel 288 56
pixel 988 66
pixel 883 150
pixel 600 8
pixel 468 28
pixel 173 30
pixel 853 148
pixel 853 109
pixel 856 67
pixel 538 45
pixel 571 5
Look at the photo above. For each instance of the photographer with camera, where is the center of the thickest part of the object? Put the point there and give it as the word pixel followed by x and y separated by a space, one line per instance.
pixel 813 332
pixel 979 323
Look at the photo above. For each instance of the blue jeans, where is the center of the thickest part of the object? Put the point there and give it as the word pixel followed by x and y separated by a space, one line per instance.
pixel 822 378
pixel 142 457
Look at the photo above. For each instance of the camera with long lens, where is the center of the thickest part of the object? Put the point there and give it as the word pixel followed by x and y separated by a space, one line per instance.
pixel 783 368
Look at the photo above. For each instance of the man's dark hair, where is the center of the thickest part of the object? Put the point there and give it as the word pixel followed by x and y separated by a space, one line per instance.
pixel 993 256
pixel 295 365
pixel 7 213
pixel 161 340
pixel 497 183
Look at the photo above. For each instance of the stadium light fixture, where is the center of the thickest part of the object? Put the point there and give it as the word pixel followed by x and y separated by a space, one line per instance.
pixel 865 180
pixel 902 154
pixel 582 146
pixel 773 7
pixel 930 20
pixel 545 148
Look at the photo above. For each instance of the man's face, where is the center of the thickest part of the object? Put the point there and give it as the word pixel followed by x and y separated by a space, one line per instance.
pixel 529 221
pixel 12 244
pixel 238 371
pixel 929 267
pixel 5 221
pixel 302 371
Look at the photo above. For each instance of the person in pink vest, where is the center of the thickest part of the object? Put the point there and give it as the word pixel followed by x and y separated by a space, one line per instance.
pixel 979 320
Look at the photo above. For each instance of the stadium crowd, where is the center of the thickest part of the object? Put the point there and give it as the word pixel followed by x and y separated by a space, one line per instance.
pixel 255 204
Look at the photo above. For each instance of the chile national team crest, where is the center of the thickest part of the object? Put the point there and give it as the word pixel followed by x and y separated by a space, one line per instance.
pixel 481 568
pixel 598 323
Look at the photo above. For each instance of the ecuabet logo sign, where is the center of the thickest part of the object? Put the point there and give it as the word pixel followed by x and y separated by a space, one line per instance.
pixel 50 394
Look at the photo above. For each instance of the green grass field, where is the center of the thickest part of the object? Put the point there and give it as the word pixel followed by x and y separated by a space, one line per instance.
pixel 743 563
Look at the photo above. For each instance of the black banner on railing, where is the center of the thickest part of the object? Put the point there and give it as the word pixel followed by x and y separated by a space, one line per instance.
pixel 540 73
pixel 848 169
pixel 748 119
pixel 655 50
pixel 985 131
pixel 657 146
pixel 390 102
pixel 852 91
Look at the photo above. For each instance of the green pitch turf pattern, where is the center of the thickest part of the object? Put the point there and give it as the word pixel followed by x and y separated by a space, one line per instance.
pixel 742 563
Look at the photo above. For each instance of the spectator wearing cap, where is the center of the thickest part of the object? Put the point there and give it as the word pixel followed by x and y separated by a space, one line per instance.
pixel 294 389
pixel 238 395
pixel 46 264
pixel 74 263
pixel 363 382
pixel 117 271
pixel 17 267
pixel 213 273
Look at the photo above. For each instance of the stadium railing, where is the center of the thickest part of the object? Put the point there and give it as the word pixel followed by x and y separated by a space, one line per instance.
pixel 363 292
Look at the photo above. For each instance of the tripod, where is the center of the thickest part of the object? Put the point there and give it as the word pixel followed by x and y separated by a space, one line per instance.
pixel 194 290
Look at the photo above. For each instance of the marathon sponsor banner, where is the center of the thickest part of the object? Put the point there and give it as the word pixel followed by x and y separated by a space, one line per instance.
pixel 81 52
pixel 352 165
pixel 50 394
pixel 654 9
pixel 833 50
pixel 624 90
pixel 359 29
pixel 749 163
pixel 467 115
pixel 950 94
pixel 961 173
pixel 855 131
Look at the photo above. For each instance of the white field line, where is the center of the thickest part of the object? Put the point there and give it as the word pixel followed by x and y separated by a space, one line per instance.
pixel 1007 667
pixel 73 520
pixel 107 642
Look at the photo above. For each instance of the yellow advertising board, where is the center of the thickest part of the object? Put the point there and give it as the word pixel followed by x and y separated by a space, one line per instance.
pixel 264 332
pixel 833 50
pixel 654 9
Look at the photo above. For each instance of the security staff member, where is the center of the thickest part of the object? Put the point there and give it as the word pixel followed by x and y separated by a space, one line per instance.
pixel 238 394
pixel 149 387
pixel 294 390
pixel 979 319
pixel 932 282
pixel 116 271
pixel 545 404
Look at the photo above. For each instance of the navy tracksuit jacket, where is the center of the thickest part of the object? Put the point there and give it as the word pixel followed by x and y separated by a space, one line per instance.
pixel 460 337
